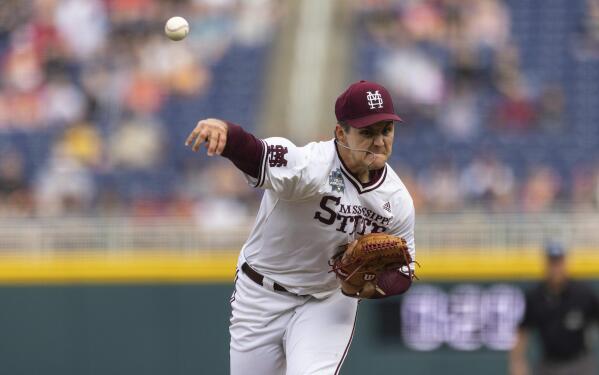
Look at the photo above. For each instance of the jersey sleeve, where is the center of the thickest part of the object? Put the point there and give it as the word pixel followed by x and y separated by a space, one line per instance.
pixel 287 170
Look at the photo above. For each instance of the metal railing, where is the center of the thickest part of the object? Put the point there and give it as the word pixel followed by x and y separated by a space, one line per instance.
pixel 500 232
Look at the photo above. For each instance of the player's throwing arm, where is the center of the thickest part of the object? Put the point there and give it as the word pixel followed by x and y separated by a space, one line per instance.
pixel 212 132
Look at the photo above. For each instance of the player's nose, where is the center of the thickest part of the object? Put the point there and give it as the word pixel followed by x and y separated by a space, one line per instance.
pixel 378 140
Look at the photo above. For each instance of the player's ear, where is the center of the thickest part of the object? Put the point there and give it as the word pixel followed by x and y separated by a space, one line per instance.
pixel 340 133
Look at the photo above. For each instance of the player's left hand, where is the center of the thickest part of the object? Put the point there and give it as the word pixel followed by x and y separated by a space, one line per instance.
pixel 212 132
pixel 359 266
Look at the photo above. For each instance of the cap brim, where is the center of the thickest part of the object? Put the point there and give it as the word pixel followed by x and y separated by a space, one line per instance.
pixel 363 122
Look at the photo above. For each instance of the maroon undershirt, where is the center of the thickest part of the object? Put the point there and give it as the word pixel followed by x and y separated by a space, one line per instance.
pixel 246 152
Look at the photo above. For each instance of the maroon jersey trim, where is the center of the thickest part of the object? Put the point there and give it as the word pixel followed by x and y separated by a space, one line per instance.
pixel 262 167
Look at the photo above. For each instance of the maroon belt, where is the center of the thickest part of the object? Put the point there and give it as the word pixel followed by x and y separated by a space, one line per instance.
pixel 258 279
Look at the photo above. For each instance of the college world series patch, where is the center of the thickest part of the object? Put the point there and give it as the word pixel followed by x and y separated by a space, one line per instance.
pixel 336 180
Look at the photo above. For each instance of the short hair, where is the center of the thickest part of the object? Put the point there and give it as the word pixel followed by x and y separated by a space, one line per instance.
pixel 344 125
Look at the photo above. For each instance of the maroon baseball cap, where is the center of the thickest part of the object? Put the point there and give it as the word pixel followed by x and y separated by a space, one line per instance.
pixel 365 103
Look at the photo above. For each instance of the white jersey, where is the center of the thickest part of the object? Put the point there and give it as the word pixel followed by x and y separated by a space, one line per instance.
pixel 312 205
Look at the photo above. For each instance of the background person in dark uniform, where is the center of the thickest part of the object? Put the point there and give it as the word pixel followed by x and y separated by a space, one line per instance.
pixel 561 311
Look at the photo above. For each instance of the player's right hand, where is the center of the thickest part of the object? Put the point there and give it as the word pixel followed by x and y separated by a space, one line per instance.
pixel 212 132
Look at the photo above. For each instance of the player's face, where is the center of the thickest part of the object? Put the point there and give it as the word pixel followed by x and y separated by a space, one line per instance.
pixel 556 271
pixel 376 138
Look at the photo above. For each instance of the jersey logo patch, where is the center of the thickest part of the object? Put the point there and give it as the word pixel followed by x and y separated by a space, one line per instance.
pixel 387 207
pixel 336 180
pixel 374 99
pixel 276 156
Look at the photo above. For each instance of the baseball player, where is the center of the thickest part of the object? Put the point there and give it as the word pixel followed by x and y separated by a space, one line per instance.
pixel 563 313
pixel 289 315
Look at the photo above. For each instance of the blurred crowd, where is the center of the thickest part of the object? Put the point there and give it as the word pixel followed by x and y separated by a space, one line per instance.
pixel 488 184
pixel 89 90
pixel 484 122
pixel 86 87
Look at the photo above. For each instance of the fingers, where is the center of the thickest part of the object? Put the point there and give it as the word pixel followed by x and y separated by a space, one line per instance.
pixel 196 138
pixel 368 290
pixel 202 137
pixel 212 143
pixel 194 133
pixel 212 132
pixel 216 142
pixel 222 141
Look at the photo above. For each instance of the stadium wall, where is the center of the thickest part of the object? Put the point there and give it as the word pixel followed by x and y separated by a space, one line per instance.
pixel 178 329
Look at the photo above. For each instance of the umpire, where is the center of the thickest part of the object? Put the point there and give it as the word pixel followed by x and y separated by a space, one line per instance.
pixel 561 311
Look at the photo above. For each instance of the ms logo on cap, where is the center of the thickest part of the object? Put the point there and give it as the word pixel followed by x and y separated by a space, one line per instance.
pixel 375 99
pixel 351 108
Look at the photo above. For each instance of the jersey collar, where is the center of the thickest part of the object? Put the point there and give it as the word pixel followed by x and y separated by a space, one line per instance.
pixel 376 177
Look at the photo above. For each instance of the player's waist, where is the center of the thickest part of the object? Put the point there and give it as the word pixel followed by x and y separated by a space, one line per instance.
pixel 307 285
pixel 259 279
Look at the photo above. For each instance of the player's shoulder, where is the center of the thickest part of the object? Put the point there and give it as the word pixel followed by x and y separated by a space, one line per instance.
pixel 278 142
pixel 317 148
pixel 321 150
pixel 311 162
pixel 311 154
pixel 320 158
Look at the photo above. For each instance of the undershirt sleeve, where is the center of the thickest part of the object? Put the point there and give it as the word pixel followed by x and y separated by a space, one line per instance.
pixel 244 150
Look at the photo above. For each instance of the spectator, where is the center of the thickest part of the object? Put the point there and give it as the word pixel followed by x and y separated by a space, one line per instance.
pixel 561 311
pixel 439 185
pixel 217 191
pixel 584 183
pixel 83 141
pixel 489 182
pixel 551 106
pixel 63 101
pixel 137 144
pixel 15 197
pixel 587 46
pixel 424 86
pixel 515 110
pixel 64 186
pixel 83 26
pixel 487 24
pixel 541 189
pixel 462 119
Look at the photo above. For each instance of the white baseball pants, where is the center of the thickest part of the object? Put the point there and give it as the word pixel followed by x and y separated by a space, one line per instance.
pixel 278 333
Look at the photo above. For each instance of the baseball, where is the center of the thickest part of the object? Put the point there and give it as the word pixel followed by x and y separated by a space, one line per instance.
pixel 176 28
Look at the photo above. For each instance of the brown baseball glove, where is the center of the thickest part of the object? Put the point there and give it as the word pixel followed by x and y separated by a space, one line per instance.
pixel 360 263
